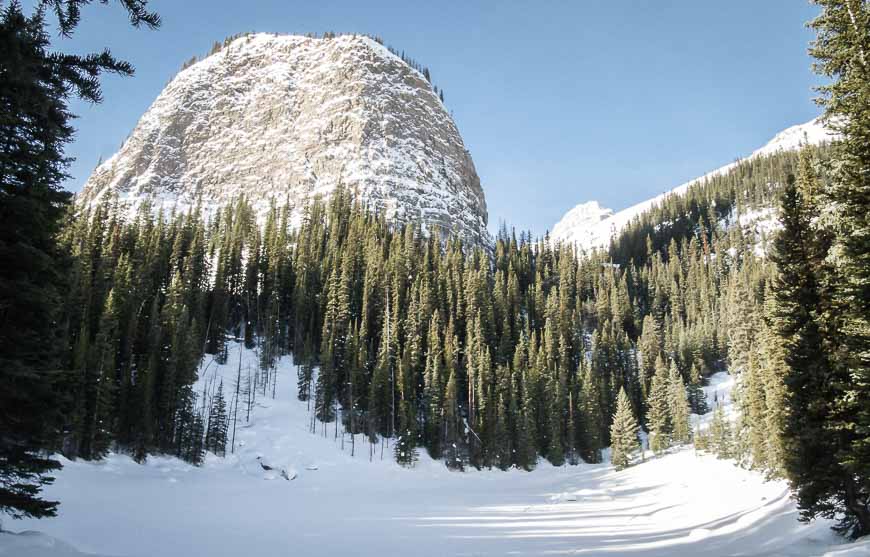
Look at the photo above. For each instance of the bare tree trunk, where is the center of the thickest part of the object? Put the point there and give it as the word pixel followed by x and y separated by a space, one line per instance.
pixel 274 380
pixel 252 392
pixel 352 430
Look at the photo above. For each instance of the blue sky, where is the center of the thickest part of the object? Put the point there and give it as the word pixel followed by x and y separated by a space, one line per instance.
pixel 558 102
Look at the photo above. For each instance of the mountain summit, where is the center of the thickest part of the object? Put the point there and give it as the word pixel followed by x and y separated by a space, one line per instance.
pixel 282 119
pixel 589 226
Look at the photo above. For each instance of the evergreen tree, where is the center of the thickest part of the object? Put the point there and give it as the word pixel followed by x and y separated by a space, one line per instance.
pixel 813 383
pixel 678 406
pixel 35 85
pixel 433 390
pixel 305 371
pixel 773 370
pixel 649 348
pixel 216 432
pixel 452 437
pixel 721 438
pixel 753 434
pixel 841 50
pixel 623 433
pixel 659 415
pixel 695 392
pixel 592 416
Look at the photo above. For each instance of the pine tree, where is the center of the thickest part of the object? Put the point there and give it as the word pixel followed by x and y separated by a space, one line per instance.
pixel 593 416
pixel 433 389
pixel 623 433
pixel 526 448
pixel 325 395
pixel 406 427
pixel 753 435
pixel 452 437
pixel 100 390
pixel 841 49
pixel 556 418
pixel 695 392
pixel 774 370
pixel 305 371
pixel 34 92
pixel 649 348
pixel 741 323
pixel 196 452
pixel 216 432
pixel 721 438
pixel 812 448
pixel 678 406
pixel 659 415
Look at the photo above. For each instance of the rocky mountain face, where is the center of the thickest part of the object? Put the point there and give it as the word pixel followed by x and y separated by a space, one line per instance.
pixel 281 119
pixel 590 226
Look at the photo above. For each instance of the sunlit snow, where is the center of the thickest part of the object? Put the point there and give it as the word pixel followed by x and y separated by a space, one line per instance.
pixel 681 504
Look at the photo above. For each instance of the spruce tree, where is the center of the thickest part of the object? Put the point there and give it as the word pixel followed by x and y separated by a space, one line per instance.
pixel 216 432
pixel 623 433
pixel 678 406
pixel 659 415
pixel 813 383
pixel 35 86
pixel 753 435
pixel 452 440
pixel 721 438
pixel 695 392
pixel 305 371
pixel 773 370
pixel 433 389
pixel 593 416
pixel 842 53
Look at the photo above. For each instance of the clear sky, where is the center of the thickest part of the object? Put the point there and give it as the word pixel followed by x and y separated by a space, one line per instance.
pixel 558 102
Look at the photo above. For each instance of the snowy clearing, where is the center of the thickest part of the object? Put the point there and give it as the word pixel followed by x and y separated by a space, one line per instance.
pixel 318 500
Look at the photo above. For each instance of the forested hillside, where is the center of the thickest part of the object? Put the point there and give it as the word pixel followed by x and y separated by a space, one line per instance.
pixel 485 357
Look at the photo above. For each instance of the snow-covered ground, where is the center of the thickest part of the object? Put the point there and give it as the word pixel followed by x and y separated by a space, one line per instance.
pixel 681 504
pixel 718 391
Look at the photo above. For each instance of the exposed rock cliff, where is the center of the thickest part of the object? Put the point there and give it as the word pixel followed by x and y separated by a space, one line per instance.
pixel 284 118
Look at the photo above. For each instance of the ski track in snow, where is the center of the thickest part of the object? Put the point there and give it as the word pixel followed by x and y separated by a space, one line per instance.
pixel 681 504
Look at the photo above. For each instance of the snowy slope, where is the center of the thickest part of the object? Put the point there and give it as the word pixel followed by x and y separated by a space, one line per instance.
pixel 678 505
pixel 36 544
pixel 282 118
pixel 589 226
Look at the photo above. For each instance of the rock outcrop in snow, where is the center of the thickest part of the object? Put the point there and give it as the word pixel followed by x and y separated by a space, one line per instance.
pixel 589 226
pixel 284 118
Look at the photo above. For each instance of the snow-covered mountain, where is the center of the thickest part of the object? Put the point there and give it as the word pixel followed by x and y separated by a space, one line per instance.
pixel 284 118
pixel 591 226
